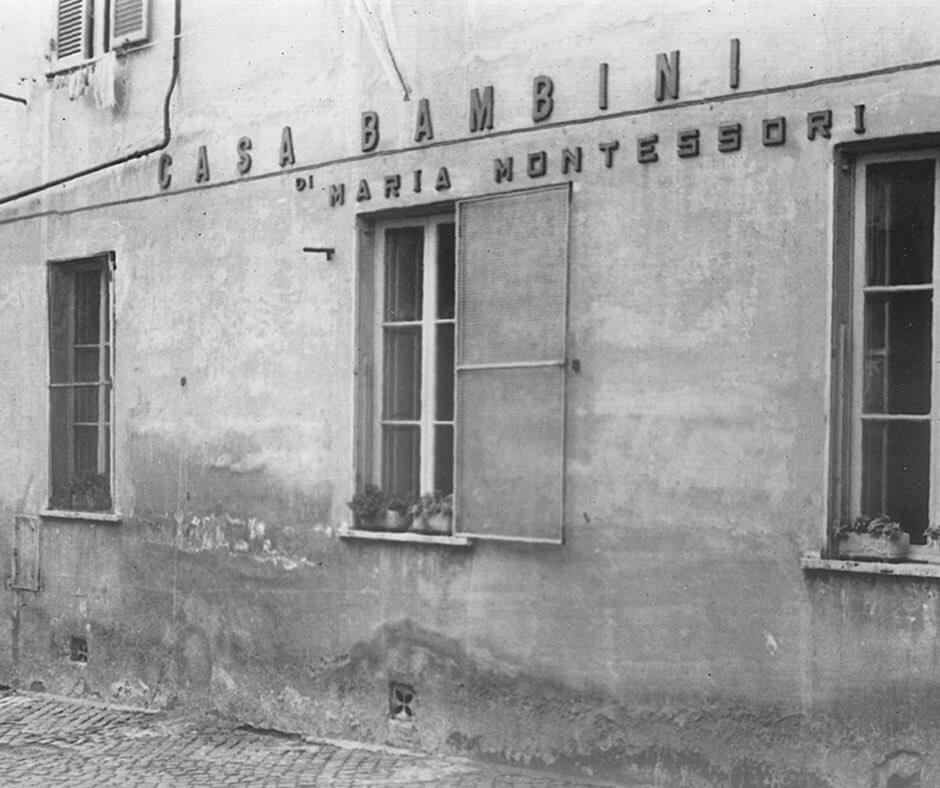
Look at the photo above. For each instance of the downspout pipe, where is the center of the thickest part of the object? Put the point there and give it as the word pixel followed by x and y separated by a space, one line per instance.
pixel 177 27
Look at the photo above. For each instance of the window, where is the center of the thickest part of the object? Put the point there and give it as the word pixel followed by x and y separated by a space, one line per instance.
pixel 86 29
pixel 80 384
pixel 416 348
pixel 462 366
pixel 884 308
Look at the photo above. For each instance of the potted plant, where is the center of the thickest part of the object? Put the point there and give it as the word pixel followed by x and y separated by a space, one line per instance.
pixel 873 539
pixel 433 513
pixel 933 537
pixel 376 510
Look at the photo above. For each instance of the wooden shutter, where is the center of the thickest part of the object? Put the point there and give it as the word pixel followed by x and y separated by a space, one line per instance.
pixel 512 268
pixel 72 27
pixel 129 22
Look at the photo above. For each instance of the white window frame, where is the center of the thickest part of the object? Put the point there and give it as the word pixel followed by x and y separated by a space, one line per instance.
pixel 860 211
pixel 428 323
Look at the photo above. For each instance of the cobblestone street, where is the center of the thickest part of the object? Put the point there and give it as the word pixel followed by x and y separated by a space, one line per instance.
pixel 50 740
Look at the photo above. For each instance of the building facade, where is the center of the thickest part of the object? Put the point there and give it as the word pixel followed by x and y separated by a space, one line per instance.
pixel 639 299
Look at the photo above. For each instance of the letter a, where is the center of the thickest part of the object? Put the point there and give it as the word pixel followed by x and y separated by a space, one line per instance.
pixel 423 129
pixel 287 148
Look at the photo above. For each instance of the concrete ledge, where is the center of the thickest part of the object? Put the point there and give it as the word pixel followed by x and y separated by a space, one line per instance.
pixel 405 536
pixel 813 563
pixel 98 517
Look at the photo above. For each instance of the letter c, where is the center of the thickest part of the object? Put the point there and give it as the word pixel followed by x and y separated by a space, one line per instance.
pixel 163 170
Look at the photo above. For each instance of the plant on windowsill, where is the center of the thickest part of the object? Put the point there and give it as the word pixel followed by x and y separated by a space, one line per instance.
pixel 376 510
pixel 433 513
pixel 872 539
pixel 88 492
pixel 932 548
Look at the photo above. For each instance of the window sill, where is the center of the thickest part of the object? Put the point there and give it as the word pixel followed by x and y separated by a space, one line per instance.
pixel 810 562
pixel 406 536
pixel 98 517
pixel 57 69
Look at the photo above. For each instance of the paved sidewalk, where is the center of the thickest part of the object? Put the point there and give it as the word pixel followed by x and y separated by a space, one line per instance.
pixel 49 740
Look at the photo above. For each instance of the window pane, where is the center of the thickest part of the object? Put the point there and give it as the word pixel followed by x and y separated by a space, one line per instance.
pixel 404 250
pixel 899 222
pixel 86 364
pixel 444 459
pixel 104 403
pixel 895 472
pixel 86 403
pixel 897 352
pixel 60 429
pixel 104 462
pixel 89 485
pixel 401 460
pixel 86 451
pixel 402 380
pixel 444 398
pixel 87 306
pixel 60 324
pixel 446 247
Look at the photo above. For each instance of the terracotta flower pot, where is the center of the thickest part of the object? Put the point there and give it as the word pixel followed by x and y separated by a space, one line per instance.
pixel 387 520
pixel 395 520
pixel 437 524
pixel 873 547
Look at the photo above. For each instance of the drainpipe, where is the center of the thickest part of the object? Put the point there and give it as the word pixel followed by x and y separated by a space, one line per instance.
pixel 177 26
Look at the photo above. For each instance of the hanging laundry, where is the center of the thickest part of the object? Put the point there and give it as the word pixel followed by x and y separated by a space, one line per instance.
pixel 103 79
pixel 78 81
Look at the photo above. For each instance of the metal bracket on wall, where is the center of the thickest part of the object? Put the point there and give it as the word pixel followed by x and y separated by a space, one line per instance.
pixel 329 251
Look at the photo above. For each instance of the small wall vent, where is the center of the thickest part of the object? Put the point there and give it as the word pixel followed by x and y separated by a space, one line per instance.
pixel 78 648
pixel 401 701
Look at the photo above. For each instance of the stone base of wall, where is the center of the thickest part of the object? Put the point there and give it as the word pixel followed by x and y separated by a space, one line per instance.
pixel 461 707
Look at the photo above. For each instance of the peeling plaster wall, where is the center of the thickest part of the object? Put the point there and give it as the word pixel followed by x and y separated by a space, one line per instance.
pixel 673 636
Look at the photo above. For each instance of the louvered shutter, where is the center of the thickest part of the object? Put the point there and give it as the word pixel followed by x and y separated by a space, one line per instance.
pixel 72 31
pixel 511 328
pixel 129 22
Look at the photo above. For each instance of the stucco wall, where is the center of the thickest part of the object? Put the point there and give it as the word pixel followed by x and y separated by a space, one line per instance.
pixel 674 632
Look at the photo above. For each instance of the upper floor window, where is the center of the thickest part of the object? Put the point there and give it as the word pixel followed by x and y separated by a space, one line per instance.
pixel 87 29
pixel 80 384
pixel 885 321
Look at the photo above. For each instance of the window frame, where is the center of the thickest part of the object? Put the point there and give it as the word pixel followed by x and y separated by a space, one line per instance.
pixel 137 35
pixel 104 262
pixel 847 342
pixel 427 422
pixel 88 35
pixel 98 36
pixel 497 509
